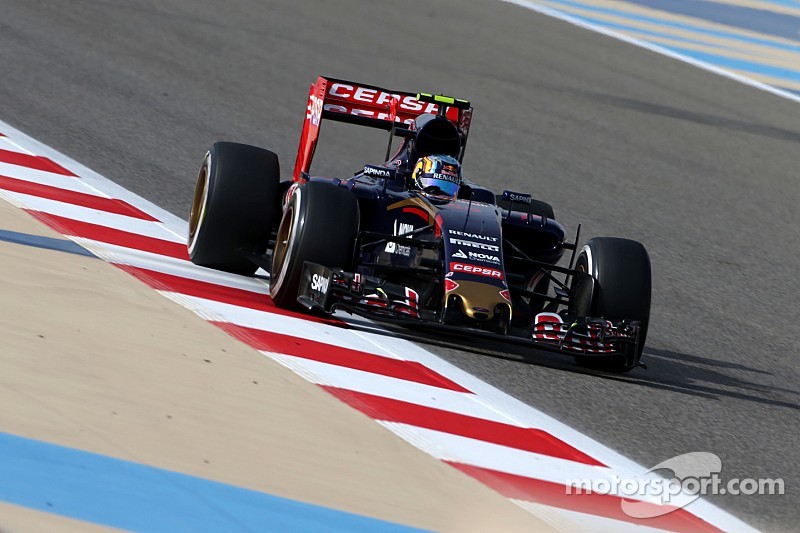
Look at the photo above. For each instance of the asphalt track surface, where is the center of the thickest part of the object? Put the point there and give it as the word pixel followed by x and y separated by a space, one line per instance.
pixel 701 169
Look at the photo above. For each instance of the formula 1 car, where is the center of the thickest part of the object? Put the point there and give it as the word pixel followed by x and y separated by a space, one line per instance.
pixel 379 246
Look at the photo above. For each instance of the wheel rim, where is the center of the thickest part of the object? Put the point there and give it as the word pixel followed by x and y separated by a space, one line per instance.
pixel 198 212
pixel 284 241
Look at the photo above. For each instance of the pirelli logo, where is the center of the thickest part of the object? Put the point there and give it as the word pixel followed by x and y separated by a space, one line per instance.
pixel 474 244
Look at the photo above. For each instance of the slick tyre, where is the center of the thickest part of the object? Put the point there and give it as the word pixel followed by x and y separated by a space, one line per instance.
pixel 234 205
pixel 623 281
pixel 319 225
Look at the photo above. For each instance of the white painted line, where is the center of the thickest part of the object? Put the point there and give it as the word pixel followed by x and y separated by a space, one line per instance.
pixel 11 146
pixel 533 6
pixel 138 226
pixel 123 255
pixel 42 177
pixel 304 329
pixel 519 462
pixel 388 387
pixel 496 457
pixel 95 180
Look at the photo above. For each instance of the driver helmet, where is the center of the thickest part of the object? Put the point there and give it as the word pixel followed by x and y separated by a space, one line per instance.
pixel 439 175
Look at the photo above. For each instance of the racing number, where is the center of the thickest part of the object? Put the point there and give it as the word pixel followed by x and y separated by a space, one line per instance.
pixel 314 109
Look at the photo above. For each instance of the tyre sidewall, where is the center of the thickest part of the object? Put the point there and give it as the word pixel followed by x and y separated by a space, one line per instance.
pixel 238 207
pixel 324 221
pixel 622 290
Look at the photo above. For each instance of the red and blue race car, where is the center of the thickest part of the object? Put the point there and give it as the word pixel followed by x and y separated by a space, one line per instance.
pixel 412 241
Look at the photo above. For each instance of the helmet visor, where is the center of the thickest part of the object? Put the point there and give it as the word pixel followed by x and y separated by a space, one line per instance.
pixel 445 187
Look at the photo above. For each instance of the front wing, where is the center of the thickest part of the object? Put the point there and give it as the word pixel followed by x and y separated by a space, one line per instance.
pixel 326 290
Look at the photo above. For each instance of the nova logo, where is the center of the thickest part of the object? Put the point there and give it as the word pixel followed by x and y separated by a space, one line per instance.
pixel 460 254
pixel 484 257
pixel 319 283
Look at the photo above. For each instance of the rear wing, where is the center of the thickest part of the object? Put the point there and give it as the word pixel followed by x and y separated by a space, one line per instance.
pixel 375 107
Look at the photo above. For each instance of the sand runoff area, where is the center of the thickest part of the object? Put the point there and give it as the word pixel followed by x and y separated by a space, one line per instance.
pixel 95 360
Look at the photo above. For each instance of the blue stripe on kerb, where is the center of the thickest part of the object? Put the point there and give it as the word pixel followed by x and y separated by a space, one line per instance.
pixel 49 243
pixel 672 24
pixel 715 59
pixel 787 3
pixel 663 35
pixel 122 494
pixel 740 64
pixel 752 19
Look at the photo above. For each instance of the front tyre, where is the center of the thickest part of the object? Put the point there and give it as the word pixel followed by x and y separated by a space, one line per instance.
pixel 319 225
pixel 235 201
pixel 623 283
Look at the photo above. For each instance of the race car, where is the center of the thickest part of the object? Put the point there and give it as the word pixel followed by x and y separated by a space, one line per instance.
pixel 411 241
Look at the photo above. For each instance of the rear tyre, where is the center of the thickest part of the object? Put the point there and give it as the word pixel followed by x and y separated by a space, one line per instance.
pixel 319 225
pixel 623 282
pixel 235 201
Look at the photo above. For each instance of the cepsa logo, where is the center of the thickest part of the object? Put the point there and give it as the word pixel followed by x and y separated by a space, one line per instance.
pixel 373 97
pixel 477 270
